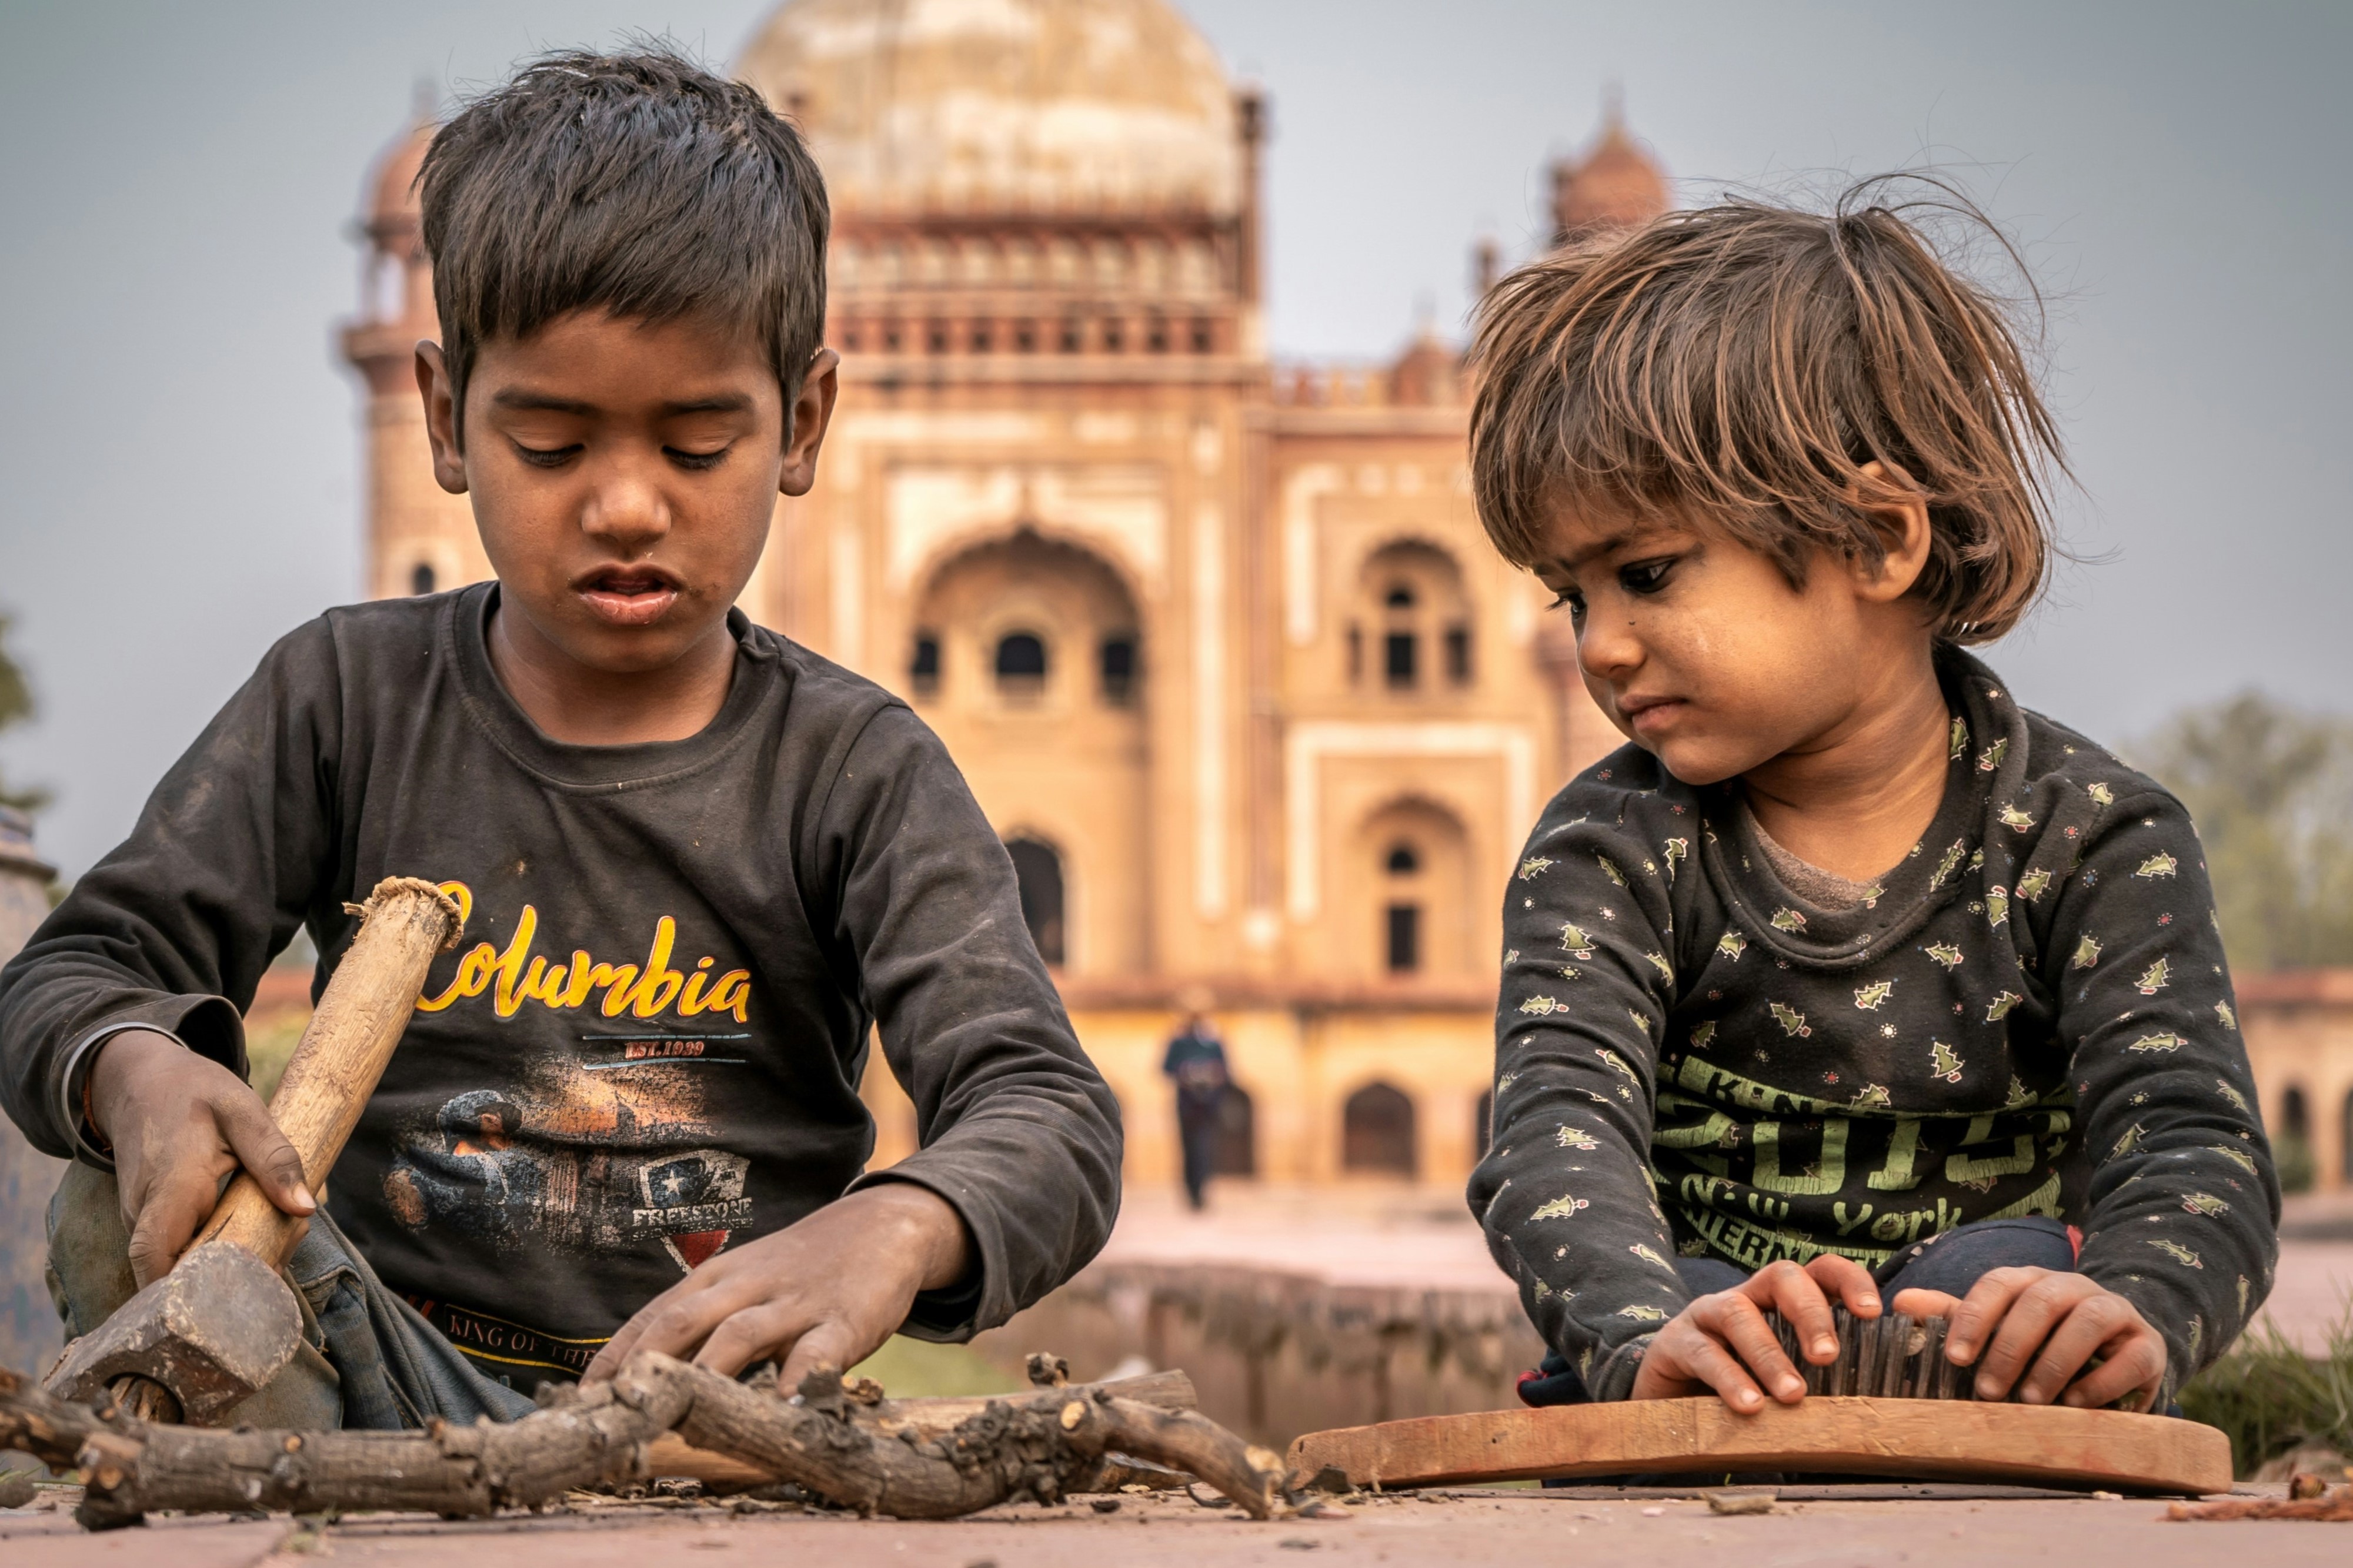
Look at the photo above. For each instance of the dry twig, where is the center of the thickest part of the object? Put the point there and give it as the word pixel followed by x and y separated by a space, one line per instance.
pixel 833 1441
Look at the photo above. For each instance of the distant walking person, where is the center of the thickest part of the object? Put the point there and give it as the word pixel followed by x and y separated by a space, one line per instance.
pixel 1197 1061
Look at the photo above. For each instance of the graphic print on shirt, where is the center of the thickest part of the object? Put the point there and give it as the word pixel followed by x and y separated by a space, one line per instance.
pixel 611 1147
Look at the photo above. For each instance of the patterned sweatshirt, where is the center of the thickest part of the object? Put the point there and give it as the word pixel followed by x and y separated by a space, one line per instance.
pixel 2028 1014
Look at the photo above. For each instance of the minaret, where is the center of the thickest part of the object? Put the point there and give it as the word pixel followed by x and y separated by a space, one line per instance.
pixel 420 539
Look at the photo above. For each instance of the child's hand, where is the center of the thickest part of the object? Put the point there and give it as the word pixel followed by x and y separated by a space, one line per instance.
pixel 1719 1341
pixel 828 1290
pixel 2069 1317
pixel 179 1123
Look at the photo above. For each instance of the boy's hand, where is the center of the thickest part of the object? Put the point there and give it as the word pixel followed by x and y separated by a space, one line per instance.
pixel 2011 1311
pixel 1720 1340
pixel 830 1289
pixel 180 1124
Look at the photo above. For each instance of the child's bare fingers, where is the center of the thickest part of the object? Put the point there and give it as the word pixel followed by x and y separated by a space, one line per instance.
pixel 742 1338
pixel 2035 1313
pixel 1736 1322
pixel 2094 1319
pixel 1974 1320
pixel 1919 1303
pixel 2136 1365
pixel 1706 1360
pixel 1793 1292
pixel 1845 1280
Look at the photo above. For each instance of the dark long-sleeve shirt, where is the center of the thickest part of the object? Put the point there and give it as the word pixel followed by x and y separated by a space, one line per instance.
pixel 648 1045
pixel 2029 1013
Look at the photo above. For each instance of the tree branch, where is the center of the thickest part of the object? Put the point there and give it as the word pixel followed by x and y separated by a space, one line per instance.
pixel 874 1459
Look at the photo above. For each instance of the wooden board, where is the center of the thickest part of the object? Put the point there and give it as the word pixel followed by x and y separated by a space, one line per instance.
pixel 1923 1439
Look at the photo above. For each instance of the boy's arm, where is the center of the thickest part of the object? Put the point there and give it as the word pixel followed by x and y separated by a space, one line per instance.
pixel 1564 1193
pixel 171 932
pixel 1019 1132
pixel 2184 1204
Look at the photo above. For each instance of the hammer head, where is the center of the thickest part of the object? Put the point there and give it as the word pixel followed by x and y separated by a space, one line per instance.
pixel 212 1330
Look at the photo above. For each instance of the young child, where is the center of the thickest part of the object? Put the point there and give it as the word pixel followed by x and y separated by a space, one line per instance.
pixel 1849 979
pixel 697 862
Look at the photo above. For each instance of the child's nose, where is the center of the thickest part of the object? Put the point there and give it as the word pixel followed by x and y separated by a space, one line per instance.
pixel 625 509
pixel 1609 649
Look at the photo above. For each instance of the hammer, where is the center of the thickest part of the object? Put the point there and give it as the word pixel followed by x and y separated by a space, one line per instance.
pixel 222 1322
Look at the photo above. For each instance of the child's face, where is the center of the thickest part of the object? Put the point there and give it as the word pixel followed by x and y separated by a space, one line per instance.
pixel 1698 649
pixel 623 476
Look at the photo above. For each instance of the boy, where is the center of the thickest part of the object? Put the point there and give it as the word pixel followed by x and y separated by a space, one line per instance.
pixel 696 861
pixel 1849 979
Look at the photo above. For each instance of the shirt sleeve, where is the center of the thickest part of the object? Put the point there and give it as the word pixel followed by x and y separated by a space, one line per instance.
pixel 2184 1206
pixel 1564 1191
pixel 1018 1131
pixel 172 929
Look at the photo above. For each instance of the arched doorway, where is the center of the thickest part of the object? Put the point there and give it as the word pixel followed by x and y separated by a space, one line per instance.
pixel 1237 1135
pixel 1040 871
pixel 1377 1131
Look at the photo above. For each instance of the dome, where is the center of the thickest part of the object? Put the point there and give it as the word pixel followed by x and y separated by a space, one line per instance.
pixel 1004 105
pixel 1614 185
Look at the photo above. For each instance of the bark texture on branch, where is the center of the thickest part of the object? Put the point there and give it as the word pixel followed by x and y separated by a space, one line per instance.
pixel 1040 1445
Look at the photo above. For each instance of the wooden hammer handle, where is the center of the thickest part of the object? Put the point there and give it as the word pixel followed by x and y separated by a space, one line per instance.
pixel 342 1052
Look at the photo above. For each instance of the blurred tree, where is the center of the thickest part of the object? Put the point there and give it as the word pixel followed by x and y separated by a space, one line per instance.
pixel 2271 792
pixel 16 705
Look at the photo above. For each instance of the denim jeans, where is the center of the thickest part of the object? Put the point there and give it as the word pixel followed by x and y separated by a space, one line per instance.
pixel 1951 1262
pixel 367 1358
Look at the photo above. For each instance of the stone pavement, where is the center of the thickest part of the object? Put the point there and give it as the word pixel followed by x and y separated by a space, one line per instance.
pixel 1464 1528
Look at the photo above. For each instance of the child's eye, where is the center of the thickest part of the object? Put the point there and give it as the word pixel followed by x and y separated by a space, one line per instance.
pixel 1645 577
pixel 1572 601
pixel 695 461
pixel 545 457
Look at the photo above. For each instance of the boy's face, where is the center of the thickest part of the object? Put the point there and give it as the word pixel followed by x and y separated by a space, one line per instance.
pixel 623 475
pixel 1698 649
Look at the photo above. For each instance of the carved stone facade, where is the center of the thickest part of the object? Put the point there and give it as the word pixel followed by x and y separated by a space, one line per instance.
pixel 1218 643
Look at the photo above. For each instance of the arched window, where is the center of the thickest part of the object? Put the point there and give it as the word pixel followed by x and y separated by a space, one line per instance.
pixel 1377 1131
pixel 1117 661
pixel 1420 626
pixel 1404 932
pixel 1402 861
pixel 2292 1152
pixel 2345 1139
pixel 1020 665
pixel 923 665
pixel 1038 870
pixel 1482 1123
pixel 422 580
pixel 1237 1153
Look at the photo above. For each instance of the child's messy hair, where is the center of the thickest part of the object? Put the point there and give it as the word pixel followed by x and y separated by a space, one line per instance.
pixel 1744 362
pixel 638 183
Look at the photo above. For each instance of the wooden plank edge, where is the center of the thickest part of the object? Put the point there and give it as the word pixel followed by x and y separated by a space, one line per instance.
pixel 1928 1439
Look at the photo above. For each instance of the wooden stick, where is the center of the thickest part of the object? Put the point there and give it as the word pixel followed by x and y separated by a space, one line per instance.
pixel 343 1050
pixel 2036 1445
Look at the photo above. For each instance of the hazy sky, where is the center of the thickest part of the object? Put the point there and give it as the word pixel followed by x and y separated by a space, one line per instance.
pixel 180 444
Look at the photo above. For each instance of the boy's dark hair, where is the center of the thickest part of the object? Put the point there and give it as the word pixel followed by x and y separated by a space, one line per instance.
pixel 638 183
pixel 1742 363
